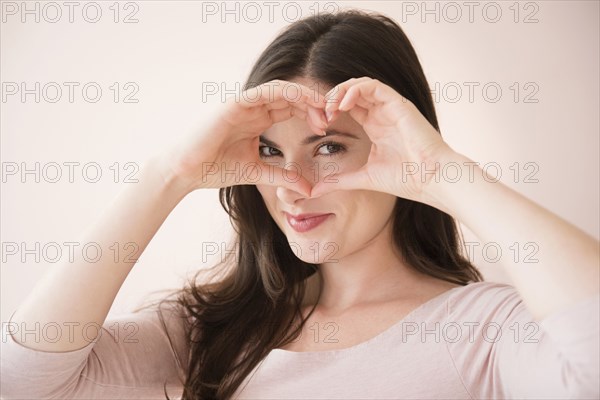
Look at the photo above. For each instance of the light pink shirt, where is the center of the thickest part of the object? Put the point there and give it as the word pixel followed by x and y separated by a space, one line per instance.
pixel 472 342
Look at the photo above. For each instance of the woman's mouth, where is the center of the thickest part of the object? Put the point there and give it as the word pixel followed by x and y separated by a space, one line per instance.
pixel 305 222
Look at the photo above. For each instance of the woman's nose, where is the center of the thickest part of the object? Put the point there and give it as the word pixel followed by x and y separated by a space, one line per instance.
pixel 289 196
pixel 296 170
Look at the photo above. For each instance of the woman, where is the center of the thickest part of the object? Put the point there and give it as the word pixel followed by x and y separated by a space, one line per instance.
pixel 348 280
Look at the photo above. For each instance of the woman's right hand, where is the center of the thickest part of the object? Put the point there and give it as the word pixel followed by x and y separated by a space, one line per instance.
pixel 226 152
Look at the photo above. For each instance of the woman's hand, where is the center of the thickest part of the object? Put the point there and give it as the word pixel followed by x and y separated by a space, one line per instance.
pixel 226 151
pixel 405 146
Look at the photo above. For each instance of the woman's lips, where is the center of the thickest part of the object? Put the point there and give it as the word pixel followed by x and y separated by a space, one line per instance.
pixel 305 222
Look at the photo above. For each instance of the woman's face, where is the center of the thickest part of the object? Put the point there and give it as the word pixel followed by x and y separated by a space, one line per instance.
pixel 355 217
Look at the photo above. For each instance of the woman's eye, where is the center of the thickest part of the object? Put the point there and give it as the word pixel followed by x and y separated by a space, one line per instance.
pixel 270 152
pixel 330 149
pixel 325 149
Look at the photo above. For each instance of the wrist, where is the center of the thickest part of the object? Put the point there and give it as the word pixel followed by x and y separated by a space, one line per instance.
pixel 169 180
pixel 449 172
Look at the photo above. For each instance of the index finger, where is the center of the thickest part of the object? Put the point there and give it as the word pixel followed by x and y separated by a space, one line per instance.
pixel 275 90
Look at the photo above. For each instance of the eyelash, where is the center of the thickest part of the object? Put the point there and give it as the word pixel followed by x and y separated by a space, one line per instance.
pixel 341 149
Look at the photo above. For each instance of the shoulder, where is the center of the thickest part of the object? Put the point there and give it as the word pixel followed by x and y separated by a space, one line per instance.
pixel 484 289
pixel 485 300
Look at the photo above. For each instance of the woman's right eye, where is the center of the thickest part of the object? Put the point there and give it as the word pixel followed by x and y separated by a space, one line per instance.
pixel 268 152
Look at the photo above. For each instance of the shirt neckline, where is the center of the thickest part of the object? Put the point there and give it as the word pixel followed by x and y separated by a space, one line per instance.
pixel 378 337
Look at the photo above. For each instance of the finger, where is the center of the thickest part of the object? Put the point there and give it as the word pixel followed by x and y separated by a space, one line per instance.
pixel 314 122
pixel 367 94
pixel 285 114
pixel 277 104
pixel 275 90
pixel 364 103
pixel 308 95
pixel 281 95
pixel 355 180
pixel 317 114
pixel 283 103
pixel 337 93
pixel 359 114
pixel 314 128
pixel 318 120
pixel 313 116
pixel 333 116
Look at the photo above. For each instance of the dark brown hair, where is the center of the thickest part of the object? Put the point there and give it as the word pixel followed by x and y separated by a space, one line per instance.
pixel 239 317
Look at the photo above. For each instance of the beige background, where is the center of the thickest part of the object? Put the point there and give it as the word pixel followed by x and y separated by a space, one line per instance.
pixel 170 53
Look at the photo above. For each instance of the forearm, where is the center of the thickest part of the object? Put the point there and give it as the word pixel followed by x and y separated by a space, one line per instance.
pixel 567 266
pixel 81 292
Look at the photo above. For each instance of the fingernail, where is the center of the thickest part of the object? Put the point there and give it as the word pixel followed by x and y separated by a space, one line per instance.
pixel 324 119
pixel 343 104
pixel 328 114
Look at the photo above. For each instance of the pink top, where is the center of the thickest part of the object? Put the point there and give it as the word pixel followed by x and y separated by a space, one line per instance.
pixel 471 342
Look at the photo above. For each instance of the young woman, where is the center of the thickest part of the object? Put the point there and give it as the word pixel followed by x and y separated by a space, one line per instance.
pixel 348 279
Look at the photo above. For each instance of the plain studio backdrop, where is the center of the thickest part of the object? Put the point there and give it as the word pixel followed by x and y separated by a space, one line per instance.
pixel 92 89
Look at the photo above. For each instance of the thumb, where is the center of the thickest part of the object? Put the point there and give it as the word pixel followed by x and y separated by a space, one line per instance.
pixel 344 181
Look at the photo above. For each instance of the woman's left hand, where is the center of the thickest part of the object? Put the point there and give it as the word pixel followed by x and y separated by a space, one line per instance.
pixel 404 143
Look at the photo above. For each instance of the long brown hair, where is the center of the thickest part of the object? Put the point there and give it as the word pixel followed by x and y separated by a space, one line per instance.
pixel 249 306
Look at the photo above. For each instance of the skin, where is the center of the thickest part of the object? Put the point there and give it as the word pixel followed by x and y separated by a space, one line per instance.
pixel 224 139
pixel 567 270
pixel 366 286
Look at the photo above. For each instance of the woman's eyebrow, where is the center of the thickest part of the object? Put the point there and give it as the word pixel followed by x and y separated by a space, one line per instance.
pixel 313 138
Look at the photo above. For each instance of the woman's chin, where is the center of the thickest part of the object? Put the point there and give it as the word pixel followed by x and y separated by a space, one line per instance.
pixel 314 251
